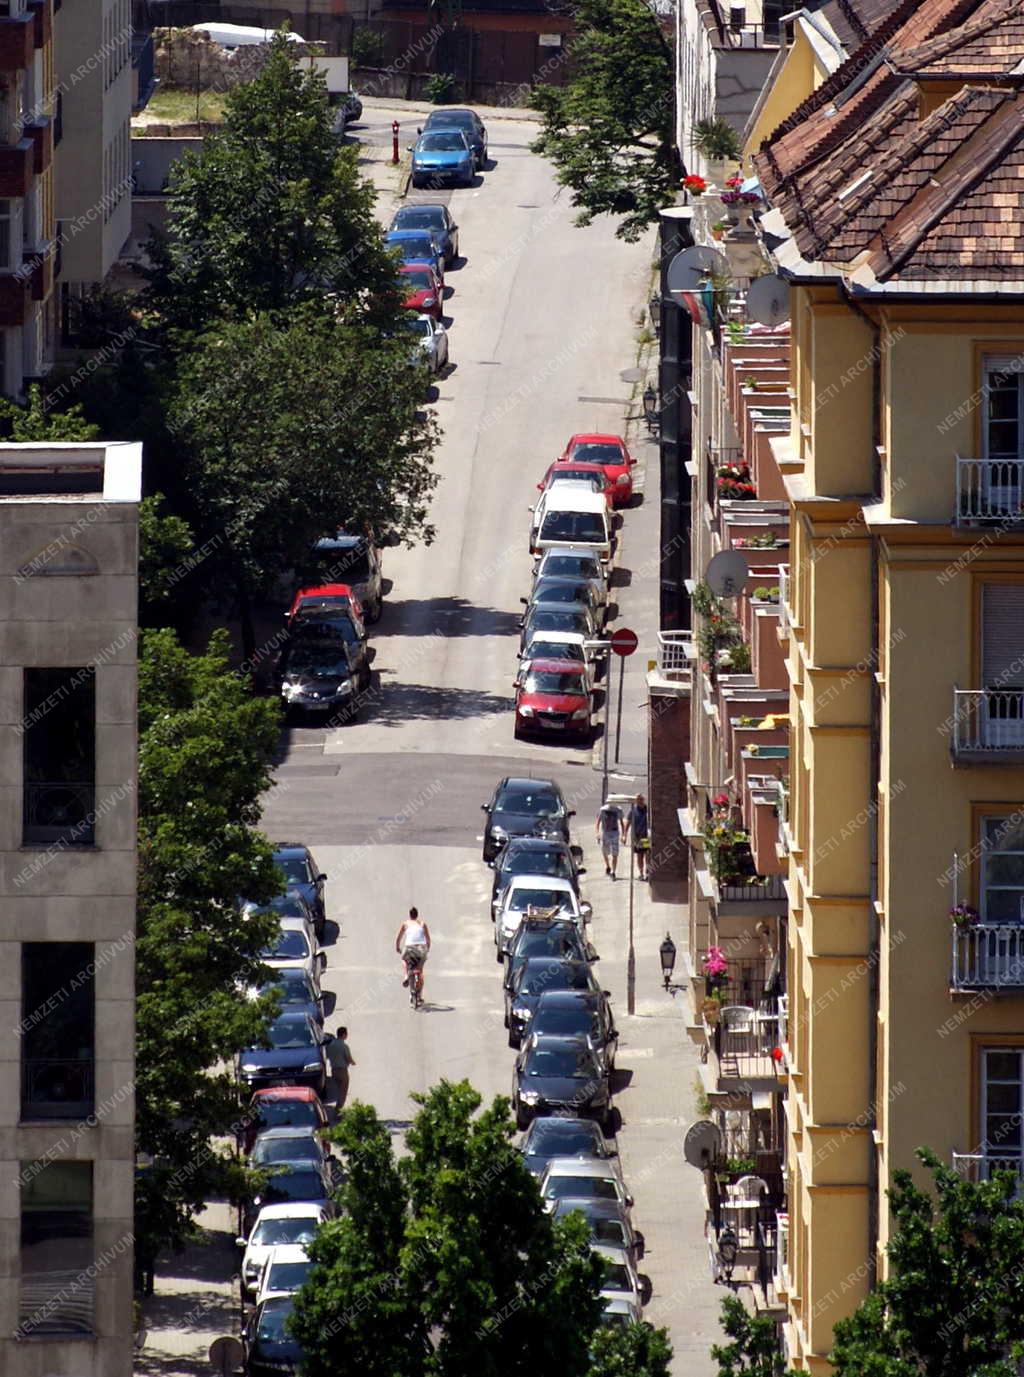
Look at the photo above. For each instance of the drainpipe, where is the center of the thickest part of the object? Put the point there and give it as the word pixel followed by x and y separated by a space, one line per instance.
pixel 875 756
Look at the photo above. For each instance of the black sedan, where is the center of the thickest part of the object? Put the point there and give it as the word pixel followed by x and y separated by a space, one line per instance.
pixel 562 1136
pixel 578 1013
pixel 560 1076
pixel 296 994
pixel 536 856
pixel 557 937
pixel 525 808
pixel 295 1055
pixel 269 1349
pixel 534 977
pixel 306 1181
pixel 320 672
pixel 303 876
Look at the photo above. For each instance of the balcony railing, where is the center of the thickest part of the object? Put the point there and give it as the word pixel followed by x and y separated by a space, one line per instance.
pixel 675 654
pixel 781 1269
pixel 784 597
pixel 57 1088
pixel 988 723
pixel 60 812
pixel 989 490
pixel 756 888
pixel 981 1166
pixel 745 1040
pixel 988 956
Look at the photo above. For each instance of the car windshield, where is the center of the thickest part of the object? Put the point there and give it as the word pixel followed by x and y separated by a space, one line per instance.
pixel 564 1138
pixel 271 1322
pixel 444 141
pixel 555 650
pixel 287 1114
pixel 292 992
pixel 598 452
pixel 420 280
pixel 286 1150
pixel 318 661
pixel 415 326
pixel 584 1187
pixel 420 217
pixel 295 1185
pixel 548 681
pixel 417 248
pixel 551 619
pixel 542 804
pixel 586 526
pixel 286 906
pixel 571 566
pixel 562 941
pixel 558 590
pixel 565 1020
pixel 296 871
pixel 567 1062
pixel 344 564
pixel 522 899
pixel 611 1232
pixel 317 626
pixel 523 862
pixel 616 1277
pixel 287 1276
pixel 274 1231
pixel 285 1033
pixel 592 480
pixel 565 976
pixel 290 946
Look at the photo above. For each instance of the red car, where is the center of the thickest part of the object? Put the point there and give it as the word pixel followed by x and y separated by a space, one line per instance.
pixel 553 699
pixel 325 596
pixel 282 1106
pixel 611 453
pixel 425 290
pixel 569 469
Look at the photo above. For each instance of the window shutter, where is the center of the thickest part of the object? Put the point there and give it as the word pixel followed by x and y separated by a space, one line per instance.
pixel 1002 637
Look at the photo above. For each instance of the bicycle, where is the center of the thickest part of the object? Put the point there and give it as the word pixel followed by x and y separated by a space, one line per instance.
pixel 414 968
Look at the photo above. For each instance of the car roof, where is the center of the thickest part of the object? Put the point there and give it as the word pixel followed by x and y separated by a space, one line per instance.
pixel 587 437
pixel 536 843
pixel 290 848
pixel 560 637
pixel 581 1166
pixel 556 666
pixel 290 1015
pixel 286 1131
pixel 548 881
pixel 417 268
pixel 579 551
pixel 569 997
pixel 573 1042
pixel 291 1252
pixel 451 110
pixel 574 497
pixel 326 590
pixel 286 1092
pixel 343 540
pixel 421 205
pixel 294 924
pixel 534 964
pixel 519 785
pixel 292 1209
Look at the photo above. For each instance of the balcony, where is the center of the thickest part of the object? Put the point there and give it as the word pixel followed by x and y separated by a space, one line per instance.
pixel 61 812
pixel 17 168
pixel 989 491
pixel 982 1166
pixel 746 1044
pixel 17 42
pixel 988 726
pixel 41 133
pixel 57 1088
pixel 675 655
pixel 988 956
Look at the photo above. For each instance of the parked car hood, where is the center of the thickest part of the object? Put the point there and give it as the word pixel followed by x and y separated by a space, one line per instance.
pixel 554 702
pixel 561 1089
pixel 279 1058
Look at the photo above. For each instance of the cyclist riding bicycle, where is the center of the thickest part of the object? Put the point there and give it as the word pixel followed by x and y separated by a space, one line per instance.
pixel 413 944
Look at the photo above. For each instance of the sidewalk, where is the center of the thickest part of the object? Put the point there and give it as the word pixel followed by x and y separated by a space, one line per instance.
pixel 486 112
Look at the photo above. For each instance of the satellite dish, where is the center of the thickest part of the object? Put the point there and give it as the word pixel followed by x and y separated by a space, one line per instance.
pixel 691 268
pixel 702 1144
pixel 768 300
pixel 727 573
pixel 226 1354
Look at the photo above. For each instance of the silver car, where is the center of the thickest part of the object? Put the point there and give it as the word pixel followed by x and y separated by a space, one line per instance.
pixel 433 341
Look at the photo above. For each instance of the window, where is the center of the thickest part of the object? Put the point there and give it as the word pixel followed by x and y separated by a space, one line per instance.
pixel 1004 410
pixel 59 732
pixel 1002 665
pixel 1002 869
pixel 1002 1077
pixel 57 1285
pixel 58 1008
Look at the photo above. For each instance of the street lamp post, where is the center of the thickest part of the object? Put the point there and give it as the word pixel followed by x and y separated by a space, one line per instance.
pixel 667 952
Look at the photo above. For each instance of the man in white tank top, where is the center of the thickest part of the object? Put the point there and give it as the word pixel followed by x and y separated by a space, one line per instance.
pixel 413 943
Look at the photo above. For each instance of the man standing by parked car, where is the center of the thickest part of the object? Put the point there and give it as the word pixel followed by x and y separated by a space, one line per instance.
pixel 339 1059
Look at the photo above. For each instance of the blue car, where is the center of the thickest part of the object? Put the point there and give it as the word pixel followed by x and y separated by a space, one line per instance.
pixel 418 246
pixel 434 219
pixel 303 877
pixel 442 154
pixel 468 121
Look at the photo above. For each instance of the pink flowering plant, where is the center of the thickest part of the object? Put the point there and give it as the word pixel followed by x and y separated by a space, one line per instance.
pixel 733 196
pixel 716 968
pixel 964 915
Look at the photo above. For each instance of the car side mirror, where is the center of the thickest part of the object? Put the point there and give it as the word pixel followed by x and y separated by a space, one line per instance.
pixel 241 1243
pixel 321 957
pixel 607 994
pixel 630 1201
pixel 525 601
pixel 409 147
pixel 571 813
pixel 483 807
pixel 587 910
pixel 581 870
pixel 419 131
pixel 320 879
pixel 531 509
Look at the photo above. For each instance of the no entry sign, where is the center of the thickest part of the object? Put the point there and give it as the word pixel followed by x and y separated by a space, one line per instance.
pixel 623 641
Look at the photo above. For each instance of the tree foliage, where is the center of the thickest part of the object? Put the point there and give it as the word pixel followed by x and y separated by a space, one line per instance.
pixel 444 1262
pixel 205 745
pixel 953 1304
pixel 165 542
pixel 754 1350
pixel 610 131
pixel 36 421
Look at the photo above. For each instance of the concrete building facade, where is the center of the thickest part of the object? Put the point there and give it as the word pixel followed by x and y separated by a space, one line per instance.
pixel 68 631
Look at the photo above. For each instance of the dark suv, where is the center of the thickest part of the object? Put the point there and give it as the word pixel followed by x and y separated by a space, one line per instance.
pixel 525 808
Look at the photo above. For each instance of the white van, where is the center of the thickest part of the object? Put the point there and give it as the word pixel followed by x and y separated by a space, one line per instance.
pixel 232 36
pixel 571 514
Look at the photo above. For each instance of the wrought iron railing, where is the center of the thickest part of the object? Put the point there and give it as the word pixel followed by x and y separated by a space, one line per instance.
pixel 756 889
pixel 988 720
pixel 747 1042
pixel 988 956
pixel 989 490
pixel 58 811
pixel 57 1087
pixel 982 1166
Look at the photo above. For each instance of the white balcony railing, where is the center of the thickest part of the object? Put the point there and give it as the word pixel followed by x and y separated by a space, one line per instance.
pixel 675 654
pixel 981 1166
pixel 781 1269
pixel 988 956
pixel 989 490
pixel 988 720
pixel 784 597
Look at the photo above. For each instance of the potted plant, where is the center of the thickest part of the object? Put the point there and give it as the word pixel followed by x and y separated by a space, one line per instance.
pixel 716 969
pixel 711 1009
pixel 718 142
pixel 696 186
pixel 964 915
pixel 718 232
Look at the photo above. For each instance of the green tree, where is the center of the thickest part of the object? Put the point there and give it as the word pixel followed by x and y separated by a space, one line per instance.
pixel 165 543
pixel 445 1262
pixel 292 431
pixel 610 131
pixel 754 1350
pixel 205 746
pixel 635 1350
pixel 272 211
pixel 953 1303
pixel 36 421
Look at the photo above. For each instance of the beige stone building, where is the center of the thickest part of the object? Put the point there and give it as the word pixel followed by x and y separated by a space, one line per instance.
pixel 68 630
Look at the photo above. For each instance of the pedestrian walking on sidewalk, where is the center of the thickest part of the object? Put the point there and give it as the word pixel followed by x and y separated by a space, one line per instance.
pixel 339 1059
pixel 638 824
pixel 609 830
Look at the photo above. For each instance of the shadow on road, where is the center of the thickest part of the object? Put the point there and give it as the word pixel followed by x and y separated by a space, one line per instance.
pixel 396 703
pixel 452 616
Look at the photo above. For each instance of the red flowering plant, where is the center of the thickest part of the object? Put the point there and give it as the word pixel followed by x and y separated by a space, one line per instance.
pixel 733 482
pixel 695 185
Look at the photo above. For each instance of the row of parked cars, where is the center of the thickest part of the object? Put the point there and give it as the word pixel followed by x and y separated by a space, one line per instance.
pixel 561 1025
pixel 571 535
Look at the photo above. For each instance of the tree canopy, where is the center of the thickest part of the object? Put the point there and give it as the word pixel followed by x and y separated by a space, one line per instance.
pixel 610 131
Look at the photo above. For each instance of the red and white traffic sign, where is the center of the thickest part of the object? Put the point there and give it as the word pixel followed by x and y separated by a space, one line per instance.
pixel 623 641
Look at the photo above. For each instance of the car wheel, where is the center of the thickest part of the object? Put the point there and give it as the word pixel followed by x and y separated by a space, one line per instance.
pixel 522 1120
pixel 498 954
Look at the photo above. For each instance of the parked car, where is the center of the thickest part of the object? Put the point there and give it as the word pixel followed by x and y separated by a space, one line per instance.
pixel 326 622
pixel 571 514
pixel 295 1055
pixel 554 698
pixel 320 672
pixel 289 1143
pixel 535 856
pixel 536 975
pixel 547 894
pixel 294 1222
pixel 560 1076
pixel 562 1136
pixel 280 1106
pixel 436 218
pixel 592 475
pixel 431 341
pixel 357 561
pixel 424 292
pixel 353 106
pixel 268 1349
pixel 554 937
pixel 621 1281
pixel 293 949
pixel 620 1313
pixel 469 122
pixel 284 906
pixel 323 599
pixel 292 1181
pixel 609 1222
pixel 285 1269
pixel 573 617
pixel 418 246
pixel 304 877
pixel 441 155
pixel 296 993
pixel 524 808
pixel 578 1013
pixel 569 561
pixel 611 453
pixel 559 494
pixel 583 1179
pixel 567 647
pixel 556 588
